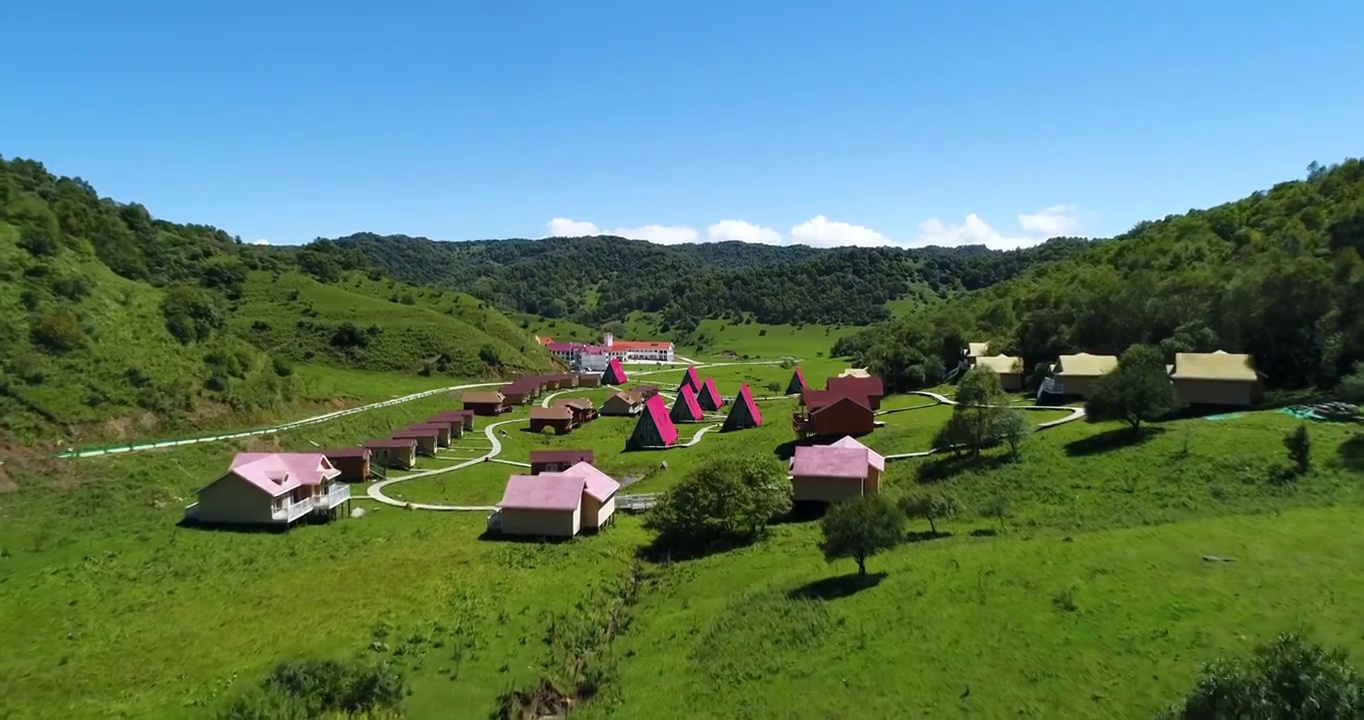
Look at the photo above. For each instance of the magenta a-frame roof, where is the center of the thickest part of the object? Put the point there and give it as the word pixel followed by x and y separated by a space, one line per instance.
pixel 658 415
pixel 687 398
pixel 617 371
pixel 709 387
pixel 746 397
pixel 691 378
pixel 800 376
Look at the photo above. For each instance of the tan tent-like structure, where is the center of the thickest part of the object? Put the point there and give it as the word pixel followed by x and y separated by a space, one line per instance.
pixel 1008 368
pixel 1216 378
pixel 1077 373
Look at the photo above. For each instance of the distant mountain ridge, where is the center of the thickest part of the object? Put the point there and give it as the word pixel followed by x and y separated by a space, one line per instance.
pixel 599 279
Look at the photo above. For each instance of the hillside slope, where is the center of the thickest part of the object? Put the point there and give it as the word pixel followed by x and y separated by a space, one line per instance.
pixel 595 280
pixel 112 322
pixel 1277 274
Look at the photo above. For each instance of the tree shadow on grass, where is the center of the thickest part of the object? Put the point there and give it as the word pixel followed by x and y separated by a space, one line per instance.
pixel 1110 440
pixel 925 535
pixel 1352 452
pixel 837 587
pixel 945 467
pixel 665 550
pixel 802 511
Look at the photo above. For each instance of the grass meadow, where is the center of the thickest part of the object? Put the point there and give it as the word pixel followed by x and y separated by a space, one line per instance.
pixel 1090 599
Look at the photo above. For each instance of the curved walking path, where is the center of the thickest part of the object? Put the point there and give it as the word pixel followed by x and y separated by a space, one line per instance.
pixel 101 450
pixel 1075 414
pixel 376 491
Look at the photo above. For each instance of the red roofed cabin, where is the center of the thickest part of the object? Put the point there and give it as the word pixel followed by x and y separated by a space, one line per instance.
pixel 589 379
pixel 543 461
pixel 454 424
pixel 869 387
pixel 391 453
pixel 442 431
pixel 465 418
pixel 353 462
pixel 559 418
pixel 485 403
pixel 427 439
pixel 519 392
pixel 581 407
pixel 830 412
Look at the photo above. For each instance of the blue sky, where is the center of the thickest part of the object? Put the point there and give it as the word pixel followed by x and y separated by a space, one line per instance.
pixel 828 123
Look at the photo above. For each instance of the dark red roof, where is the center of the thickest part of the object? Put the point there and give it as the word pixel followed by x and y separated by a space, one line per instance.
pixel 390 443
pixel 816 399
pixel 430 432
pixel 870 385
pixel 350 452
pixel 560 456
pixel 860 401
pixel 437 426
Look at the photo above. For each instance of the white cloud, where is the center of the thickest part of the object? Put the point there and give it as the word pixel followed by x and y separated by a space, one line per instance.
pixel 820 231
pixel 743 232
pixel 661 234
pixel 261 242
pixel 1054 221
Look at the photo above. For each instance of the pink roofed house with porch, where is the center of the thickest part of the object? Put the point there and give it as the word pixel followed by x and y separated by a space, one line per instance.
pixel 270 489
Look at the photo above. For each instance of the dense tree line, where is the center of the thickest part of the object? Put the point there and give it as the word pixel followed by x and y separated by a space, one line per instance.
pixel 595 280
pixel 1277 274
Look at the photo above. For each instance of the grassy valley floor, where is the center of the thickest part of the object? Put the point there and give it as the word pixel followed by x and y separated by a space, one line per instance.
pixel 112 610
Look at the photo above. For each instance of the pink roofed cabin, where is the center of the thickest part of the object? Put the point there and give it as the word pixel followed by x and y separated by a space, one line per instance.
pixel 830 473
pixel 270 489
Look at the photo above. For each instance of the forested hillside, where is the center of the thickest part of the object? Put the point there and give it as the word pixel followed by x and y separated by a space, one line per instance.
pixel 109 313
pixel 1277 274
pixel 595 280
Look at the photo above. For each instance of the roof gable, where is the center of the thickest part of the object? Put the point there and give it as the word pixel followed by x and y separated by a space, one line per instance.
pixel 546 491
pixel 599 485
pixel 868 385
pixel 830 461
pixel 746 399
pixel 278 473
pixel 845 401
pixel 1001 364
pixel 657 413
pixel 557 412
pixel 875 459
pixel 686 406
pixel 483 398
pixel 561 456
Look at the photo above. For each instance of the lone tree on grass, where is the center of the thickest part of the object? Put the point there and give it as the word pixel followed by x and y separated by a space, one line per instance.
pixel 861 527
pixel 729 499
pixel 1287 678
pixel 977 417
pixel 1138 390
pixel 1014 428
pixel 931 505
pixel 1298 443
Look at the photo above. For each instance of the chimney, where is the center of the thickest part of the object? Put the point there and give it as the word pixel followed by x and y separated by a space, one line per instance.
pixel 606 340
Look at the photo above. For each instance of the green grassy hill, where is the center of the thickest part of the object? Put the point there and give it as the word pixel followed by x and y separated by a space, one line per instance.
pixel 117 325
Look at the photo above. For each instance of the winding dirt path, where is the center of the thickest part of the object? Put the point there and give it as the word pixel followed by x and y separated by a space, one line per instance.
pixel 1075 414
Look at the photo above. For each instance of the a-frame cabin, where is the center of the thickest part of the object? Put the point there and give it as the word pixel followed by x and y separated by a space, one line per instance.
pixel 690 380
pixel 743 414
pixel 654 429
pixel 685 408
pixel 709 397
pixel 614 373
pixel 797 384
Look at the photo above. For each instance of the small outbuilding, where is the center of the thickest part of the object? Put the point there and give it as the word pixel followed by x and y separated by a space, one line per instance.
pixel 558 417
pixel 834 413
pixel 974 351
pixel 622 403
pixel 353 463
pixel 1217 379
pixel 547 505
pixel 455 425
pixel 485 403
pixel 427 439
pixel 520 391
pixel 743 414
pixel 582 408
pixel 392 453
pixel 1076 374
pixel 863 386
pixel 1008 368
pixel 442 431
pixel 830 473
pixel 545 461
pixel 589 379
pixel 599 495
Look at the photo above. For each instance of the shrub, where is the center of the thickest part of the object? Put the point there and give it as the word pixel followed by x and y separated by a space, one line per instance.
pixel 488 355
pixel 1138 390
pixel 730 499
pixel 192 314
pixel 314 688
pixel 931 506
pixel 762 332
pixel 282 367
pixel 71 287
pixel 1298 443
pixel 348 336
pixel 1287 678
pixel 59 330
